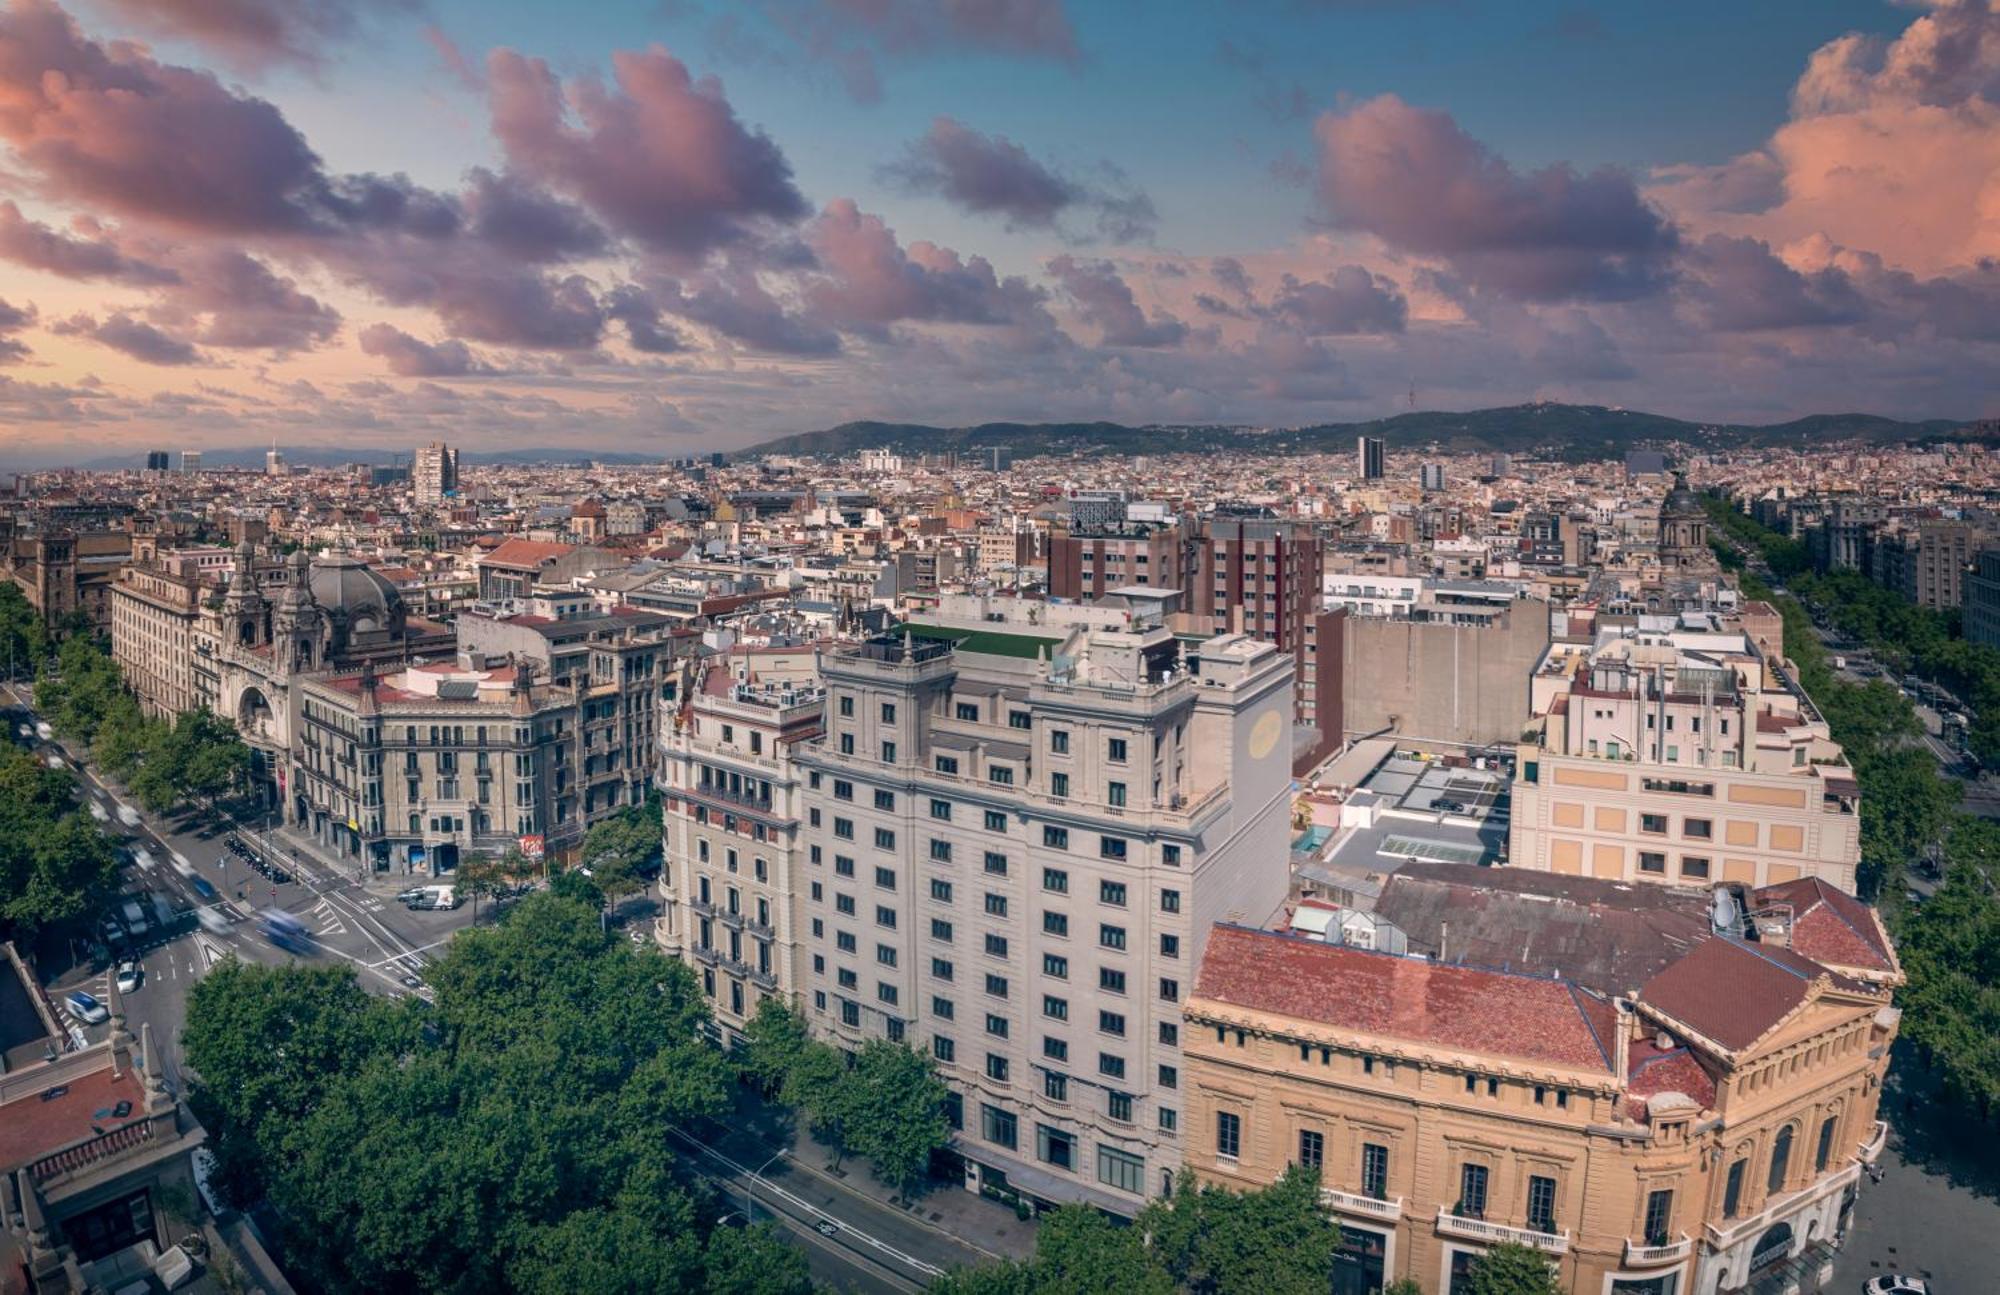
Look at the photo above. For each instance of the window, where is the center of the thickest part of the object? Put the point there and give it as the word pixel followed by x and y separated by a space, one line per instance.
pixel 885 878
pixel 941 809
pixel 1170 901
pixel 940 851
pixel 943 1008
pixel 1111 892
pixel 948 764
pixel 1825 1151
pixel 997 1126
pixel 885 991
pixel 1059 741
pixel 967 710
pixel 1781 1160
pixel 844 904
pixel 1118 1106
pixel 1170 855
pixel 941 968
pixel 1055 923
pixel 1000 774
pixel 843 866
pixel 1541 1203
pixel 1020 719
pixel 850 1013
pixel 996 820
pixel 1054 1049
pixel 1695 828
pixel 1691 866
pixel 996 985
pixel 1659 1216
pixel 1169 1119
pixel 1374 1171
pixel 1170 946
pixel 1055 1086
pixel 888 753
pixel 1114 750
pixel 888 712
pixel 1732 1191
pixel 1056 880
pixel 1124 1172
pixel 847 744
pixel 1055 838
pixel 940 930
pixel 1111 847
pixel 884 839
pixel 885 916
pixel 996 1025
pixel 1055 1008
pixel 1652 861
pixel 1111 1023
pixel 1312 1148
pixel 1054 1147
pixel 1655 824
pixel 996 945
pixel 1110 1065
pixel 1114 794
pixel 995 863
pixel 940 890
pixel 1170 1034
pixel 847 707
pixel 1228 1135
pixel 1059 785
pixel 996 905
pixel 943 1049
pixel 844 828
pixel 885 954
pixel 1111 937
pixel 1170 990
pixel 1111 980
pixel 1471 1192
pixel 843 789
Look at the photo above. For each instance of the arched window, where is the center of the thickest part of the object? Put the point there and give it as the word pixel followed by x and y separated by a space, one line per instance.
pixel 1781 1160
pixel 1825 1152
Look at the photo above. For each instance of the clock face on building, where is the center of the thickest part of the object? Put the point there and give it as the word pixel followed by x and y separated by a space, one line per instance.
pixel 1264 735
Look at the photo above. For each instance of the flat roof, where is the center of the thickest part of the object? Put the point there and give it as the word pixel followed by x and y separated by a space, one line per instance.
pixel 985 642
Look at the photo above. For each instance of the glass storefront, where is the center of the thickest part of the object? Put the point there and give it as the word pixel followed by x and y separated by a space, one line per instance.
pixel 1358 1267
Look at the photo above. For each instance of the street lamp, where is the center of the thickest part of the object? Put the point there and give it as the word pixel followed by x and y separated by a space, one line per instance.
pixel 750 1188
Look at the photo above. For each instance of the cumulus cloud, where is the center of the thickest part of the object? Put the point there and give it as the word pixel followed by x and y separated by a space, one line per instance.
pixel 1350 300
pixel 13 319
pixel 660 157
pixel 991 175
pixel 520 218
pixel 1418 182
pixel 251 34
pixel 37 246
pixel 1892 146
pixel 133 337
pixel 1104 301
pixel 412 357
pixel 1740 285
pixel 870 281
pixel 634 307
pixel 732 302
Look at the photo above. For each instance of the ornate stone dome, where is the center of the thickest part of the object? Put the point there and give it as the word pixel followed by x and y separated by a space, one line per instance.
pixel 354 597
pixel 1681 501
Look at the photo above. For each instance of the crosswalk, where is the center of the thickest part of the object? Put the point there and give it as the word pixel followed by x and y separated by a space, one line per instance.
pixel 329 919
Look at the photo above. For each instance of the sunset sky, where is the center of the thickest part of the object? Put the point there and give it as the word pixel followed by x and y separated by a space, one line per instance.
pixel 681 225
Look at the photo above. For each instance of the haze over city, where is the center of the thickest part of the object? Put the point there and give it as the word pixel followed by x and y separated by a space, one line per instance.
pixel 684 226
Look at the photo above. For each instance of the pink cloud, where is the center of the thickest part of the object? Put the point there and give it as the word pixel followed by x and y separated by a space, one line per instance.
pixel 870 282
pixel 251 34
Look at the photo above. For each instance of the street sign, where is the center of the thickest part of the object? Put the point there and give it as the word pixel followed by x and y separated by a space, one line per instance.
pixel 531 847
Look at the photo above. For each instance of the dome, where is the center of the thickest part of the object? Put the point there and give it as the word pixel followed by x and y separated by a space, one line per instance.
pixel 347 589
pixel 1681 501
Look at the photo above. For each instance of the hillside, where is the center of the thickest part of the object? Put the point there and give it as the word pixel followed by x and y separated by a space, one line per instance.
pixel 1571 431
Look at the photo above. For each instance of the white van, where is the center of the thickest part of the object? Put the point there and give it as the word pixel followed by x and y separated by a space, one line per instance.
pixel 436 897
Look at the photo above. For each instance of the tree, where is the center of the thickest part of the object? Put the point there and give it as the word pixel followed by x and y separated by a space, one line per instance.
pixel 755 1261
pixel 774 1040
pixel 55 863
pixel 480 874
pixel 1275 1241
pixel 1512 1269
pixel 24 640
pixel 1403 1286
pixel 896 1117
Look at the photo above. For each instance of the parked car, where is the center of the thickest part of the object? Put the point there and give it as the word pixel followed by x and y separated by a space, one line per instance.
pixel 85 1008
pixel 129 976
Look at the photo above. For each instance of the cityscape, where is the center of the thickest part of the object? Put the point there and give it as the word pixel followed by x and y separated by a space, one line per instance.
pixel 586 709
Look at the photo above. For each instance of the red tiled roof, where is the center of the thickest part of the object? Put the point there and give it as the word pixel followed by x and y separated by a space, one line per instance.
pixel 31 1128
pixel 1651 1071
pixel 525 553
pixel 1731 991
pixel 1829 925
pixel 1532 1018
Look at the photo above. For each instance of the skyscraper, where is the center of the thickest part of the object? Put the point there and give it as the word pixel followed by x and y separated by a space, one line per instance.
pixel 1433 476
pixel 157 460
pixel 435 472
pixel 190 460
pixel 1368 453
pixel 274 462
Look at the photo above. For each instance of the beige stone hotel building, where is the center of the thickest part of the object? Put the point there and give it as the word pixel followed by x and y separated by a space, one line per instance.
pixel 1699 1131
pixel 1680 756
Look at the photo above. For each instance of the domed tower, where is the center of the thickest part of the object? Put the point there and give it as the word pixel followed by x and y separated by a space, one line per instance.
pixel 295 626
pixel 1683 527
pixel 243 607
pixel 361 608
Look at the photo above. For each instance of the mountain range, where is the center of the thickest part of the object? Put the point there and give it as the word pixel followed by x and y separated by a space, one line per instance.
pixel 1576 432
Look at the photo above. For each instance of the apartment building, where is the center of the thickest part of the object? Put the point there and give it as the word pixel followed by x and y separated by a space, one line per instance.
pixel 732 882
pixel 1015 846
pixel 1089 561
pixel 153 610
pixel 1699 1135
pixel 434 473
pixel 1680 756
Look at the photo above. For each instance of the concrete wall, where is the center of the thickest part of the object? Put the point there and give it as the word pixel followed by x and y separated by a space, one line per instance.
pixel 1443 682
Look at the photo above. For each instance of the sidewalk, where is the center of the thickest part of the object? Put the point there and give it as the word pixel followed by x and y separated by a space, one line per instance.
pixel 946 1207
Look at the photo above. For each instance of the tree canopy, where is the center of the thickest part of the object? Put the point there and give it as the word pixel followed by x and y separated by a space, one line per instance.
pixel 1512 1269
pixel 55 862
pixel 509 1137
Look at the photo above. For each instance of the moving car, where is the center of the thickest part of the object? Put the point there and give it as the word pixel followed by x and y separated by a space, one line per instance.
pixel 1896 1284
pixel 43 731
pixel 85 1008
pixel 129 976
pixel 97 811
pixel 286 931
pixel 201 887
pixel 128 816
pixel 212 920
pixel 826 1227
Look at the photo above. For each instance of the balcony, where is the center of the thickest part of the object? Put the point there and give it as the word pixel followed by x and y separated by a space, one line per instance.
pixel 764 980
pixel 707 955
pixel 82 1155
pixel 1367 1207
pixel 759 930
pixel 1452 1225
pixel 1644 1256
pixel 1728 1233
pixel 730 918
pixel 1872 1148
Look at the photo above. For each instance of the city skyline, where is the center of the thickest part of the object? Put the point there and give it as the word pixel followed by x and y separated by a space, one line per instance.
pixel 682 227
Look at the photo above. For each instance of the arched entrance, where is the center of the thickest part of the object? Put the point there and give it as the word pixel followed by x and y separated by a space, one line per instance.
pixel 253 713
pixel 1772 1249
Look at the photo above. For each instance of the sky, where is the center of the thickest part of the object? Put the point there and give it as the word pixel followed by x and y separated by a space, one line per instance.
pixel 674 226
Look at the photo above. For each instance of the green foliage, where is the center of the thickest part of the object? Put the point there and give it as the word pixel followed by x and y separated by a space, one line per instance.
pixel 78 687
pixel 55 863
pixel 885 1102
pixel 24 640
pixel 1205 1241
pixel 620 849
pixel 1950 950
pixel 510 1137
pixel 1403 1286
pixel 755 1261
pixel 1512 1269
